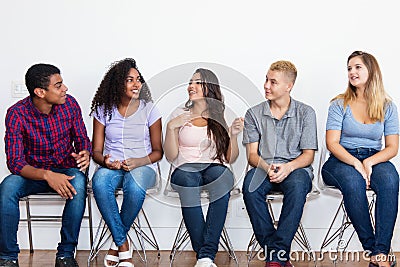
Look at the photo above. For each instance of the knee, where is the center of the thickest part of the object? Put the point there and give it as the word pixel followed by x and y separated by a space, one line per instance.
pixel 385 177
pixel 140 179
pixel 298 183
pixel 100 179
pixel 133 186
pixel 246 182
pixel 182 178
pixel 254 184
pixel 79 182
pixel 9 188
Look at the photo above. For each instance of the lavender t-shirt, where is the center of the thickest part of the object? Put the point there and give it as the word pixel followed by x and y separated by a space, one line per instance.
pixel 128 137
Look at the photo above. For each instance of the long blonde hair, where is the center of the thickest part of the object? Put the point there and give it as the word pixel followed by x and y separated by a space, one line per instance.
pixel 374 92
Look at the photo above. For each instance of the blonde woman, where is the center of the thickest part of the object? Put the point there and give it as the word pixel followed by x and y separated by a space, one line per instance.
pixel 357 120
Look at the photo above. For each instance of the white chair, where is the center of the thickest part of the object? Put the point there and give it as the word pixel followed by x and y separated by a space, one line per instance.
pixel 182 236
pixel 254 248
pixel 137 232
pixel 339 234
pixel 51 197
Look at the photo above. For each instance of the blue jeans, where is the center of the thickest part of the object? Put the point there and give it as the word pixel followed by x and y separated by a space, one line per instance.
pixel 134 185
pixel 294 188
pixel 15 187
pixel 189 180
pixel 384 182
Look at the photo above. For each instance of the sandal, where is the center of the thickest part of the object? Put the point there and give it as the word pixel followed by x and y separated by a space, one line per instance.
pixel 112 258
pixel 125 255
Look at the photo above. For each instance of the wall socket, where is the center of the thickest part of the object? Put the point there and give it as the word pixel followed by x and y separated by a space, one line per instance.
pixel 18 89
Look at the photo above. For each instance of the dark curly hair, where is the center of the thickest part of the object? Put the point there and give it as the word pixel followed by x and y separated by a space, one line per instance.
pixel 112 87
pixel 217 127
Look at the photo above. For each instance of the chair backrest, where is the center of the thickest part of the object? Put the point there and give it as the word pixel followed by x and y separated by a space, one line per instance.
pixel 323 157
pixel 158 184
pixel 170 192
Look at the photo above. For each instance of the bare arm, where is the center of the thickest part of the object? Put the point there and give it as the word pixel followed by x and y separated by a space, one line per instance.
pixel 254 159
pixel 233 149
pixel 333 145
pixel 389 152
pixel 171 144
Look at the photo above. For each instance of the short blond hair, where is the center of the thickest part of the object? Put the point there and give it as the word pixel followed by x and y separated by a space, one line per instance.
pixel 287 67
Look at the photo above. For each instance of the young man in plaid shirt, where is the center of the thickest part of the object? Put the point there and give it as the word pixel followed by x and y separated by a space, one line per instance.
pixel 47 148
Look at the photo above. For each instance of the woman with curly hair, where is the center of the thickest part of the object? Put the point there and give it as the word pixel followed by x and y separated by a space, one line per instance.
pixel 357 122
pixel 199 145
pixel 126 146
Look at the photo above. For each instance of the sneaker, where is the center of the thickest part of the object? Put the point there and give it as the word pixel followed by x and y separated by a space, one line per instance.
pixel 205 262
pixel 8 263
pixel 273 264
pixel 66 262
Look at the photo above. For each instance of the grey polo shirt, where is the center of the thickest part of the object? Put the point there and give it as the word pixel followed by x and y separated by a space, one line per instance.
pixel 283 140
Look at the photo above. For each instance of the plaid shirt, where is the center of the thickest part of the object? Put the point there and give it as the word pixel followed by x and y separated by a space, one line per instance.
pixel 44 141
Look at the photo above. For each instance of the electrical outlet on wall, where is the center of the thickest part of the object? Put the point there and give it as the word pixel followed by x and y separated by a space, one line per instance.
pixel 18 89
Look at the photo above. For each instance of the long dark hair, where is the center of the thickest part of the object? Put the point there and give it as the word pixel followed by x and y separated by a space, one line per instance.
pixel 217 128
pixel 112 87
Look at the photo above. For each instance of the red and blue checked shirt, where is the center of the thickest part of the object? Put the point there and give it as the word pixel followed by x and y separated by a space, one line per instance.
pixel 44 140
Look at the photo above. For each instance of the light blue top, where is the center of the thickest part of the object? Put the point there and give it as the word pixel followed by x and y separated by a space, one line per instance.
pixel 355 134
pixel 128 137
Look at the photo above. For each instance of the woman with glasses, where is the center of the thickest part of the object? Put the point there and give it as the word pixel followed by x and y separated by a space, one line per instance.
pixel 357 120
pixel 199 144
pixel 126 146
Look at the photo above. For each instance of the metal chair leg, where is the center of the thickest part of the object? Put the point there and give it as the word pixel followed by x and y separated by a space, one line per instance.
pixel 29 221
pixel 182 240
pixel 90 219
pixel 103 235
pixel 100 239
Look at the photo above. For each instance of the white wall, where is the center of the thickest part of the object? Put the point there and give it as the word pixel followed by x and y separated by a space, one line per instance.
pixel 84 37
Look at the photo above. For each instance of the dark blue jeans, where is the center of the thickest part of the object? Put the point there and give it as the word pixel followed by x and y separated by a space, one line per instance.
pixel 189 180
pixel 294 188
pixel 14 187
pixel 384 182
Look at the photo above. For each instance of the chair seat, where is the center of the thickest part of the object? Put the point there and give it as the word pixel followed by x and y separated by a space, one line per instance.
pixel 53 197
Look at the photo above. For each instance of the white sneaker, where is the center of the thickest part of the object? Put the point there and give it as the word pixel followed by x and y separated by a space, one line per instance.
pixel 205 262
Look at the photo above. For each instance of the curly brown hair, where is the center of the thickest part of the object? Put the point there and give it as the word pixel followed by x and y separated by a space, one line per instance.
pixel 112 87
